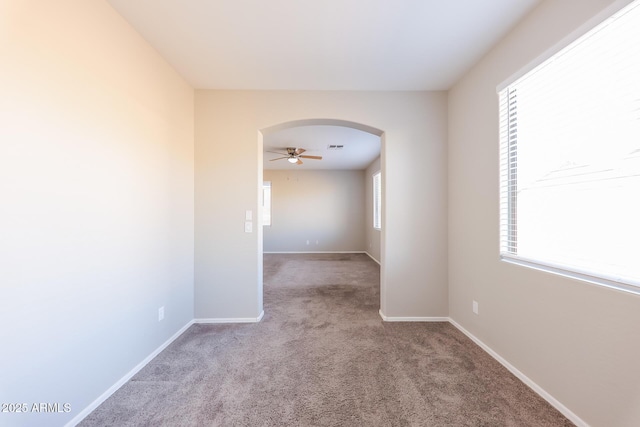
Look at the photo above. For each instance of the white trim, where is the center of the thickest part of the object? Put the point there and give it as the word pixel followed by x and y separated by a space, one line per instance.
pixel 215 320
pixel 371 256
pixel 522 377
pixel 315 252
pixel 412 319
pixel 122 381
pixel 617 283
pixel 596 20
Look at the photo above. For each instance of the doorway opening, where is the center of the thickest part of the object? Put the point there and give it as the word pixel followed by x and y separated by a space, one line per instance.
pixel 318 178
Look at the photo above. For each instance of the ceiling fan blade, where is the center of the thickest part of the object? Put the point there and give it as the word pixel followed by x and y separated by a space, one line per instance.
pixel 279 158
pixel 299 162
pixel 312 157
pixel 276 152
pixel 300 150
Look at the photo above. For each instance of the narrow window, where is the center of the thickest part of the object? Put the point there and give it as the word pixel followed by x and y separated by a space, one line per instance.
pixel 377 201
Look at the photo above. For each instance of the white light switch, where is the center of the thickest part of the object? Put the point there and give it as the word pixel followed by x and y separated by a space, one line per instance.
pixel 248 227
pixel 248 216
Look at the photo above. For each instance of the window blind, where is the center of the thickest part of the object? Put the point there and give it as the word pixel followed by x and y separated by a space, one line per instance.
pixel 570 156
pixel 508 171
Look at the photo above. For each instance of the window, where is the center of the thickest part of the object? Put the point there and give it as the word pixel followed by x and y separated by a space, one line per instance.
pixel 266 203
pixel 377 201
pixel 570 158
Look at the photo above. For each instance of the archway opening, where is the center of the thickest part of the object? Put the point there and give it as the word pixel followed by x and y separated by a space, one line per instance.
pixel 294 230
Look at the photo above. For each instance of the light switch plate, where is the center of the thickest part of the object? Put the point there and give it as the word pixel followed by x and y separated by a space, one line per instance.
pixel 248 227
pixel 248 216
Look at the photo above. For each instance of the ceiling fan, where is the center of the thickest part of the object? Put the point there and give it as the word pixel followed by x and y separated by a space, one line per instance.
pixel 293 155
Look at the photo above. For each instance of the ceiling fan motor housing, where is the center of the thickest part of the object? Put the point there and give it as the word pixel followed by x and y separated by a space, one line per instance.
pixel 294 155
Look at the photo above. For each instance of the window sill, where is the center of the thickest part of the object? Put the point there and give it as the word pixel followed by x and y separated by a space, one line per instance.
pixel 617 284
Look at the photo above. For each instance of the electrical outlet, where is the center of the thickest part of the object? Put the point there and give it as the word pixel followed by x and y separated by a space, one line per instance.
pixel 475 307
pixel 307 242
pixel 316 242
pixel 161 314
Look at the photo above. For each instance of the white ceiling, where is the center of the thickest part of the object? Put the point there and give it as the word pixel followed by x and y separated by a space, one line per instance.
pixel 322 44
pixel 360 148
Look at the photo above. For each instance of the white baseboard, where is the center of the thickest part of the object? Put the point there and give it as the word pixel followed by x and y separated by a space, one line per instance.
pixel 315 252
pixel 371 256
pixel 522 377
pixel 579 422
pixel 104 396
pixel 216 320
pixel 412 319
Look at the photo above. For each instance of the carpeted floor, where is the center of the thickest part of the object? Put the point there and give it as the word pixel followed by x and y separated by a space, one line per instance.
pixel 323 357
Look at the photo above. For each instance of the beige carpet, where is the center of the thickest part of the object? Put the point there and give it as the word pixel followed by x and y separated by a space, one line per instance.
pixel 323 357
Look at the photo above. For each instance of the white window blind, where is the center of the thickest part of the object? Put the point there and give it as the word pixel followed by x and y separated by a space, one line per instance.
pixel 377 200
pixel 570 157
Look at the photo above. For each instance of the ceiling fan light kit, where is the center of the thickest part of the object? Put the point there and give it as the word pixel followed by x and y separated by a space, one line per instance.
pixel 293 155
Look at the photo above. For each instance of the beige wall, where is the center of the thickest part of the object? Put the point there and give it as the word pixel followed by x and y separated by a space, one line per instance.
pixel 579 342
pixel 325 208
pixel 372 236
pixel 96 203
pixel 228 272
pixel 97 217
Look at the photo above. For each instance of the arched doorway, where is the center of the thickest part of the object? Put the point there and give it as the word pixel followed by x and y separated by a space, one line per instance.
pixel 266 133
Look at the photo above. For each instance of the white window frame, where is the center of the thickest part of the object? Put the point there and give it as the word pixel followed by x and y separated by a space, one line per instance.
pixel 508 206
pixel 377 200
pixel 266 204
